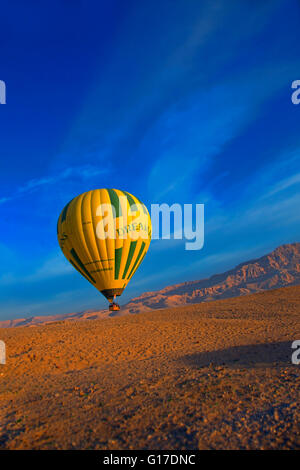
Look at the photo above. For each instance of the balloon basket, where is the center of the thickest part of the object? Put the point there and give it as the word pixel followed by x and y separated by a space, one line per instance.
pixel 114 307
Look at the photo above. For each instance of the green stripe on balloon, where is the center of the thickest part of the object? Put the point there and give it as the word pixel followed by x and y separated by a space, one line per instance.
pixel 114 199
pixel 118 257
pixel 78 269
pixel 80 263
pixel 138 258
pixel 130 256
pixel 130 199
pixel 133 203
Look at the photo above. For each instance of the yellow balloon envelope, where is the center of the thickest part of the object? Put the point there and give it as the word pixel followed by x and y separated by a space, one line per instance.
pixel 105 234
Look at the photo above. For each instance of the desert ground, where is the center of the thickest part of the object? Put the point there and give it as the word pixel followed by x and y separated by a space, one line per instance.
pixel 216 375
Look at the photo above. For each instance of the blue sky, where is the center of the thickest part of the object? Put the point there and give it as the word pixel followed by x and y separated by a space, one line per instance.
pixel 174 101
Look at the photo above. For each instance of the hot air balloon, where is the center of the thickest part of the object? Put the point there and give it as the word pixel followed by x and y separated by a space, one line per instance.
pixel 105 234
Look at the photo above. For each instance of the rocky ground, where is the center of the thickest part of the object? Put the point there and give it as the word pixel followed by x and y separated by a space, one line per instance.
pixel 215 375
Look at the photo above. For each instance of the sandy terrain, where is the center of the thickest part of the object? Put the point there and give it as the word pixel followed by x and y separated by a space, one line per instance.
pixel 209 376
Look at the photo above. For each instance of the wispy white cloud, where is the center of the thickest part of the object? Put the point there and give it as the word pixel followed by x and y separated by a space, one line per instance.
pixel 53 267
pixel 83 172
pixel 283 185
pixel 189 135
pixel 266 204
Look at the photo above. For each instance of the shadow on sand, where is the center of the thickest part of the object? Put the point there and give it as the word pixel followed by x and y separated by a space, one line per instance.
pixel 252 355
